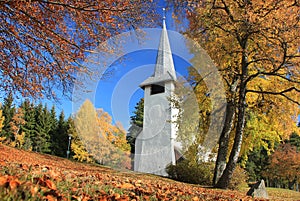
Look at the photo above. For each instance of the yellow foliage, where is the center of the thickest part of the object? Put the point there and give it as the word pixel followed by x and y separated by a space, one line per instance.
pixel 99 139
pixel 2 139
pixel 266 35
pixel 1 120
pixel 19 140
pixel 80 153
pixel 120 139
pixel 16 122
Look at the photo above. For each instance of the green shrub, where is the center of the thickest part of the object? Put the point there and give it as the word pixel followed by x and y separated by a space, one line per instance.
pixel 239 179
pixel 195 174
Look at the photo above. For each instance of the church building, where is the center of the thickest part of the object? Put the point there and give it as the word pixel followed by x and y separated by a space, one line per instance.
pixel 155 145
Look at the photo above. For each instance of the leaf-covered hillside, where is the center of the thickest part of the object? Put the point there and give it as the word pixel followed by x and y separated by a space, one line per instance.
pixel 31 176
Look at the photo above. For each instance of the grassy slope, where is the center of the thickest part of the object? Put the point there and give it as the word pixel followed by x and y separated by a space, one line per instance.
pixel 32 176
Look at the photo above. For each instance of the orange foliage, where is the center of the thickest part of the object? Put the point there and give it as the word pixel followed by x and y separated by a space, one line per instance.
pixel 43 43
pixel 285 163
pixel 54 178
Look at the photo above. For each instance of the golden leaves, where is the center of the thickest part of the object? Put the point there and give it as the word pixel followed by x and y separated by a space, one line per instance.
pixel 127 186
pixel 99 139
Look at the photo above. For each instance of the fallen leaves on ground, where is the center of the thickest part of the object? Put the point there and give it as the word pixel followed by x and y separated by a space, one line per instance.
pixel 28 175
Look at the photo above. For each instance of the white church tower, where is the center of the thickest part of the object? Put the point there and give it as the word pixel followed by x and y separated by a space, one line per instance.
pixel 155 145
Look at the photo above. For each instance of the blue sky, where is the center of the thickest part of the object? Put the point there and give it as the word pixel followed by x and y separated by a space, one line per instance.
pixel 119 93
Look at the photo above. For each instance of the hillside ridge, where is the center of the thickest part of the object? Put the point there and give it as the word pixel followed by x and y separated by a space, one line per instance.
pixel 47 177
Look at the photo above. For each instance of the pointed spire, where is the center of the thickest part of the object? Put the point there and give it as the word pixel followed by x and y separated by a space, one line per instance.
pixel 164 67
pixel 164 60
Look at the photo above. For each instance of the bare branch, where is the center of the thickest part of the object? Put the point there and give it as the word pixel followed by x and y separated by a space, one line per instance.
pixel 280 93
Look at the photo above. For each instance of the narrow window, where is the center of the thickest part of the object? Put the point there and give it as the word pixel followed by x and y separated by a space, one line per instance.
pixel 157 89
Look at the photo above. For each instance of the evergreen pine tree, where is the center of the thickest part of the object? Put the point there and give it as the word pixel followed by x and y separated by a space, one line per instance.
pixel 8 111
pixel 138 117
pixel 136 124
pixel 30 124
pixel 256 164
pixel 294 140
pixel 53 128
pixel 60 137
pixel 42 138
pixel 37 137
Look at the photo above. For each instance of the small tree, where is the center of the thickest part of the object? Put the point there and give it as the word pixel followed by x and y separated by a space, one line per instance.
pixel 1 123
pixel 284 165
pixel 17 121
pixel 78 150
pixel 103 141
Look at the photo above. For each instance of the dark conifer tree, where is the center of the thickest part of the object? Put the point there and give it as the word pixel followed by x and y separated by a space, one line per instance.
pixel 53 123
pixel 257 162
pixel 30 124
pixel 42 138
pixel 71 133
pixel 8 111
pixel 138 117
pixel 60 137
pixel 136 124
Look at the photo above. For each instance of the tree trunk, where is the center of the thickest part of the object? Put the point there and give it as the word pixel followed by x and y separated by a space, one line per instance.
pixel 233 158
pixel 224 141
pixel 238 139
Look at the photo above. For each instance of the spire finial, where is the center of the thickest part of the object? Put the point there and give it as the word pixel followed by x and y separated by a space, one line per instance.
pixel 164 13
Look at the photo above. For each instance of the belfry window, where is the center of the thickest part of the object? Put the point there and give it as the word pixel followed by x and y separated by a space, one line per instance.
pixel 157 89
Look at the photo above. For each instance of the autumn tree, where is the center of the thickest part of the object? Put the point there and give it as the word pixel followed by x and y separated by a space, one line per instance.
pixel 1 123
pixel 121 141
pixel 86 127
pixel 80 153
pixel 284 165
pixel 103 141
pixel 193 120
pixel 15 126
pixel 43 43
pixel 255 158
pixel 116 136
pixel 255 45
pixel 78 150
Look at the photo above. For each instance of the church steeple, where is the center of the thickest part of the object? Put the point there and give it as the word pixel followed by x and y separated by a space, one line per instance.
pixel 164 68
pixel 155 144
